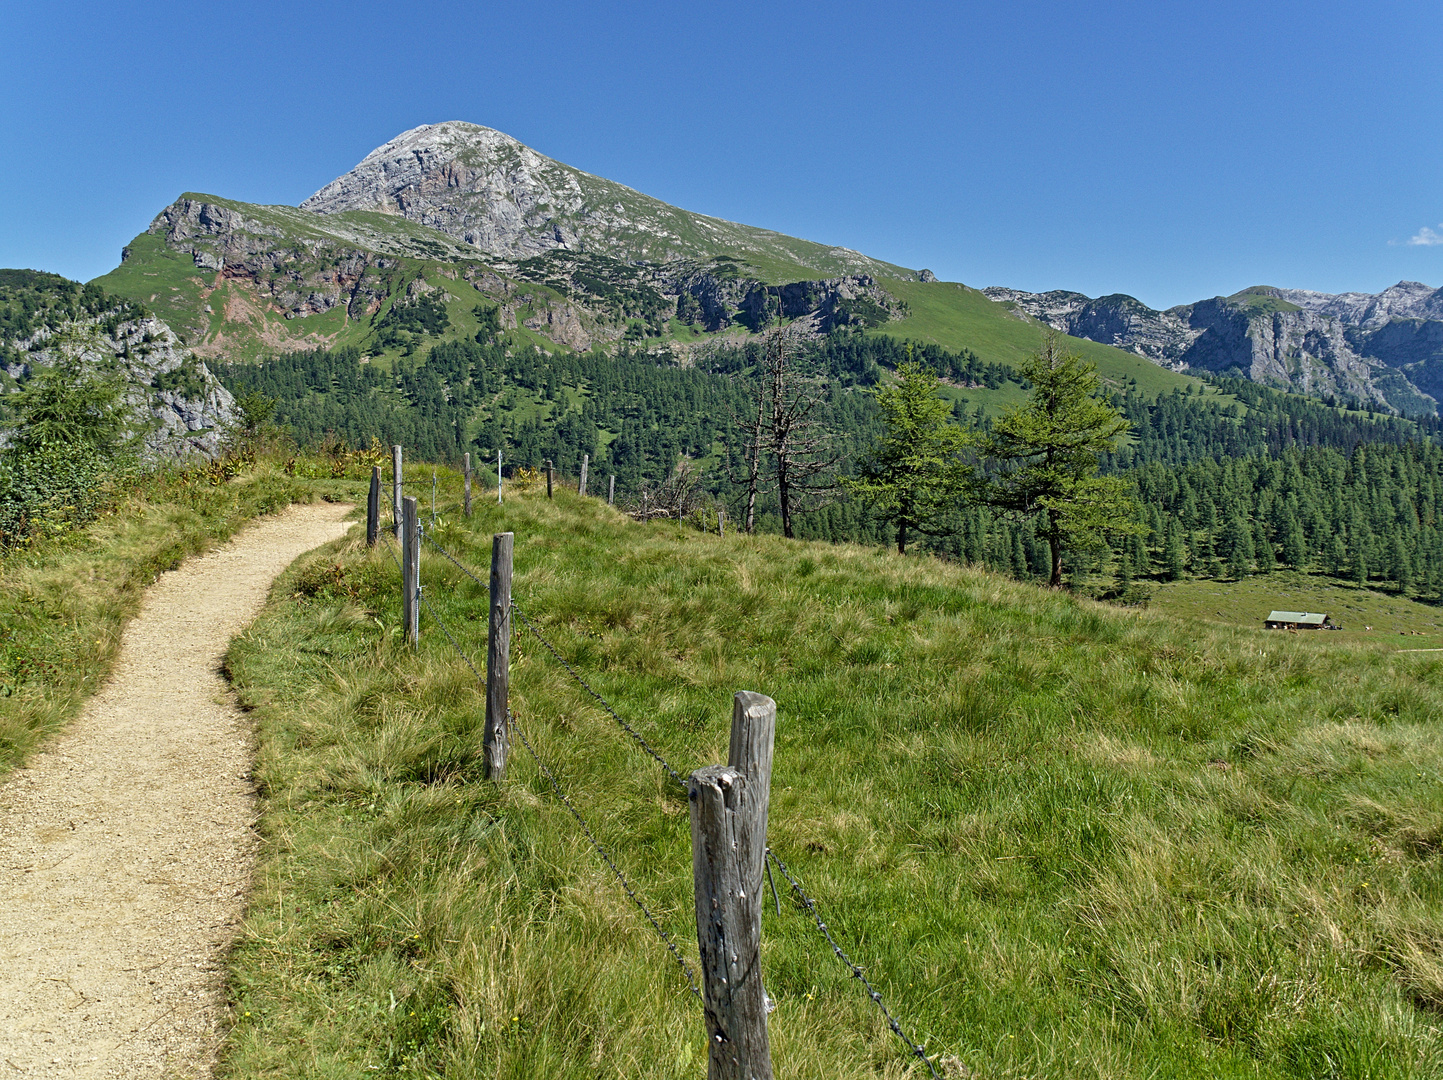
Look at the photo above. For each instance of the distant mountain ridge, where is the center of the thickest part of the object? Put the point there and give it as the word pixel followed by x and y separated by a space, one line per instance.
pixel 1383 348
pixel 475 220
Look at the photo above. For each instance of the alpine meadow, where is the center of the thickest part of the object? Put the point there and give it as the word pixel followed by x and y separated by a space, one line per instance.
pixel 625 485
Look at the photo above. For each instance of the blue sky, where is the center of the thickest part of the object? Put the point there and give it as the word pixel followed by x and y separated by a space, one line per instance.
pixel 1170 151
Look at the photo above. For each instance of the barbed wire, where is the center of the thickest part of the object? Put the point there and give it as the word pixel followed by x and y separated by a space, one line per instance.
pixel 449 637
pixel 811 906
pixel 455 561
pixel 604 703
pixel 640 740
pixel 585 828
pixel 670 944
pixel 792 880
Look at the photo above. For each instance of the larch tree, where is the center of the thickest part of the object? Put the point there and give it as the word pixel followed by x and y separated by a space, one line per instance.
pixel 915 473
pixel 1047 451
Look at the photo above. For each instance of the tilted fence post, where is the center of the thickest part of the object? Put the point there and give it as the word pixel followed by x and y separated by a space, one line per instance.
pixel 396 491
pixel 581 487
pixel 548 478
pixel 466 475
pixel 728 844
pixel 611 490
pixel 373 507
pixel 498 657
pixel 411 570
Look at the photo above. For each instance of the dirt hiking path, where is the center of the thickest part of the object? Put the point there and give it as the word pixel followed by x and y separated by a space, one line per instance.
pixel 126 846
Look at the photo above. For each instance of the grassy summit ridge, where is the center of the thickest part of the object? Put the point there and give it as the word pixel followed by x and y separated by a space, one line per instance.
pixel 1062 839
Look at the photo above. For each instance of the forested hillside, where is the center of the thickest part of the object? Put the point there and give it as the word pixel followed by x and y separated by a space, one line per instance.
pixel 1233 478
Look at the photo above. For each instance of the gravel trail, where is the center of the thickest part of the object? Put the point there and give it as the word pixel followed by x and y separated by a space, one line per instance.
pixel 126 845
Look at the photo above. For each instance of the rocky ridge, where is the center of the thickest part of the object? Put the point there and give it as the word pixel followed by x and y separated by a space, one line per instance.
pixel 1385 349
pixel 484 188
pixel 182 408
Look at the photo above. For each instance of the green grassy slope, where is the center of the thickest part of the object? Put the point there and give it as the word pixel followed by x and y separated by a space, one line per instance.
pixel 1063 840
pixel 955 316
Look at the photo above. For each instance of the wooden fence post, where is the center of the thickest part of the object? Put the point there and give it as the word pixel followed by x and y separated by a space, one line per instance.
pixel 396 491
pixel 498 476
pixel 548 478
pixel 498 658
pixel 373 507
pixel 644 511
pixel 611 490
pixel 581 487
pixel 411 570
pixel 728 845
pixel 466 473
pixel 721 524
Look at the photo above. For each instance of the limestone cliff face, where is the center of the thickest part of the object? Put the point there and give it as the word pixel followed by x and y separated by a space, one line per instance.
pixel 1382 348
pixel 173 396
pixel 506 201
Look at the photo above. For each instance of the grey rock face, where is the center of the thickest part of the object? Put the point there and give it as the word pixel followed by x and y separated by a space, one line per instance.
pixel 1360 345
pixel 182 408
pixel 485 189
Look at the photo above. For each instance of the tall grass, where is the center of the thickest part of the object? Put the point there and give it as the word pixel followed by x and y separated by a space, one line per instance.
pixel 1064 840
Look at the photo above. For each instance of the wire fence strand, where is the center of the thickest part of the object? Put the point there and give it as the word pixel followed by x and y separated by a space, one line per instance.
pixel 670 944
pixel 811 906
pixel 806 900
pixel 566 801
pixel 636 735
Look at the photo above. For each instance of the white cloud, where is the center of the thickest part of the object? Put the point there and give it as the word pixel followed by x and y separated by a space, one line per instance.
pixel 1426 238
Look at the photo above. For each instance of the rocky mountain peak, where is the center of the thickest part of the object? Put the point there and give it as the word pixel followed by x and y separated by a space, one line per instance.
pixel 484 188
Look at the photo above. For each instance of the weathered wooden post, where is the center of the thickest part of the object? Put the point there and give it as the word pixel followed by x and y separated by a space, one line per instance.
pixel 721 524
pixel 498 476
pixel 728 845
pixel 498 658
pixel 433 498
pixel 611 490
pixel 581 487
pixel 548 478
pixel 411 570
pixel 644 510
pixel 396 491
pixel 466 474
pixel 373 507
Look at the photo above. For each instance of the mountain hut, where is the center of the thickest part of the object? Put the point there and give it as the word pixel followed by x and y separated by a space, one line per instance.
pixel 1299 620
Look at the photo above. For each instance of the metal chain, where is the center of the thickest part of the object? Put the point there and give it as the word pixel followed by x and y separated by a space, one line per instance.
pixel 670 944
pixel 811 905
pixel 604 703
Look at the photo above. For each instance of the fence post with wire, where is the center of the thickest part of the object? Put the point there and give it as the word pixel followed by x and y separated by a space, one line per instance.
pixel 373 507
pixel 466 475
pixel 410 570
pixel 729 844
pixel 498 657
pixel 396 491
